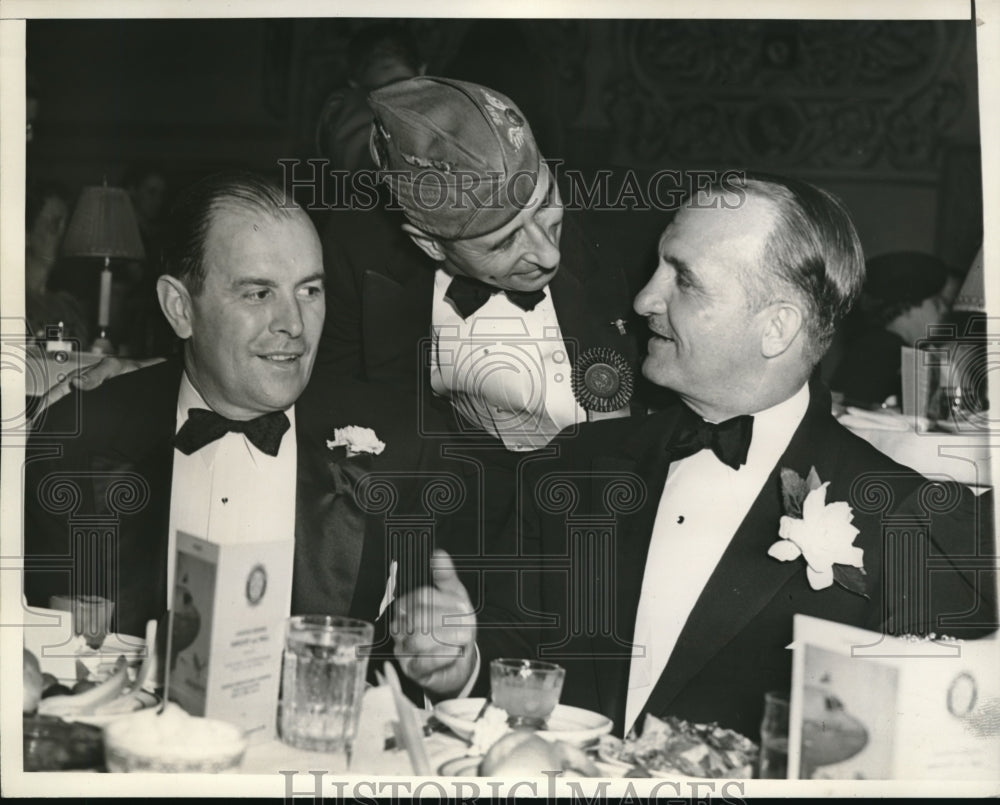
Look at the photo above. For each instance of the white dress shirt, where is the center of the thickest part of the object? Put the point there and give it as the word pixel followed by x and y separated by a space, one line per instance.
pixel 229 491
pixel 701 508
pixel 505 370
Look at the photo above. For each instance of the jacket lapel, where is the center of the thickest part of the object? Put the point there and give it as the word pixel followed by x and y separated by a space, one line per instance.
pixel 144 446
pixel 330 538
pixel 746 578
pixel 644 453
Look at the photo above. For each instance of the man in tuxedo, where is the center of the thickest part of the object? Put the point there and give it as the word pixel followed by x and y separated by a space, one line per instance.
pixel 476 284
pixel 214 444
pixel 663 558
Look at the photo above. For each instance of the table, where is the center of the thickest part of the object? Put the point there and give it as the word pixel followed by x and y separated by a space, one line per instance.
pixel 965 456
pixel 369 756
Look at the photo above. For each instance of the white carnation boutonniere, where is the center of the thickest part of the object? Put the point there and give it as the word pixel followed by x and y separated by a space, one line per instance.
pixel 356 440
pixel 819 532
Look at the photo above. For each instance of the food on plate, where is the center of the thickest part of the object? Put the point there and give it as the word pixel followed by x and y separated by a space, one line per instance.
pixel 524 753
pixel 83 685
pixel 51 744
pixel 490 727
pixel 32 682
pixel 114 694
pixel 88 701
pixel 172 742
pixel 674 746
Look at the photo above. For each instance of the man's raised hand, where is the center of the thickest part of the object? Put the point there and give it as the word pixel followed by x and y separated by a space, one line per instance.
pixel 90 377
pixel 435 631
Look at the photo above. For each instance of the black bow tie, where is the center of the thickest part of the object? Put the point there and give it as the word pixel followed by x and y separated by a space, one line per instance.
pixel 729 440
pixel 204 427
pixel 468 295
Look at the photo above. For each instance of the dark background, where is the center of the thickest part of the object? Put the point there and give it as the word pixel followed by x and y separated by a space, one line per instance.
pixel 883 113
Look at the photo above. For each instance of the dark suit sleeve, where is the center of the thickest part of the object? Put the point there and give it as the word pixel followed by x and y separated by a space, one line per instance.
pixel 938 569
pixel 511 623
pixel 47 500
pixel 961 593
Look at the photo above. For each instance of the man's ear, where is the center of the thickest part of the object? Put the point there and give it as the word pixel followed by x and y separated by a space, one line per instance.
pixel 430 245
pixel 783 321
pixel 175 302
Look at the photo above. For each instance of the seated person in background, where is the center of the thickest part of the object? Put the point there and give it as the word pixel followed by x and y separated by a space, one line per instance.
pixel 213 442
pixel 46 213
pixel 664 557
pixel 902 297
pixel 143 332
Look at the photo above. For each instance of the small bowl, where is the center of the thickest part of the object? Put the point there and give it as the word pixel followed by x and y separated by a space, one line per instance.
pixel 528 690
pixel 51 744
pixel 172 742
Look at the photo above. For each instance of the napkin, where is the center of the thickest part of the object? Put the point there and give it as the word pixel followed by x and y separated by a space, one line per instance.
pixel 378 711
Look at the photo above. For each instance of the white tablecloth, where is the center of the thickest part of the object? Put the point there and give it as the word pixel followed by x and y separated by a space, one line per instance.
pixel 965 457
pixel 369 754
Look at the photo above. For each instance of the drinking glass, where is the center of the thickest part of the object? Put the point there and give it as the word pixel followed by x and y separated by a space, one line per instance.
pixel 91 615
pixel 527 689
pixel 323 681
pixel 774 737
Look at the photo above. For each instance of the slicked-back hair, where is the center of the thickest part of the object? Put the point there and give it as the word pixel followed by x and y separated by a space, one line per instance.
pixel 813 252
pixel 193 212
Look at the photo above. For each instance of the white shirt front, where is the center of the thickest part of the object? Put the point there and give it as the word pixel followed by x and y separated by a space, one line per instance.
pixel 229 491
pixel 701 508
pixel 505 370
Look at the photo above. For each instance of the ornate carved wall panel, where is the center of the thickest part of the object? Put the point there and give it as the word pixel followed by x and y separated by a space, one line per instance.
pixel 817 96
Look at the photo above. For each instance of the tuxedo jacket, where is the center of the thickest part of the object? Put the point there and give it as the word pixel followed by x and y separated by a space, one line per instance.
pixel 380 289
pixel 588 515
pixel 104 460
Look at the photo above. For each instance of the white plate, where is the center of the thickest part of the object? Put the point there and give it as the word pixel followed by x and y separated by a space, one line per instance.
pixel 102 720
pixel 469 767
pixel 49 636
pixel 61 661
pixel 571 724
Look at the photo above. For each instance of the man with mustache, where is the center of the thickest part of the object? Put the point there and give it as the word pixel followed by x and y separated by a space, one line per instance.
pixel 484 290
pixel 663 558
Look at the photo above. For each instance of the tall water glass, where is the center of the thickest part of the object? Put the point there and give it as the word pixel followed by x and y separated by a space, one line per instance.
pixel 774 737
pixel 323 681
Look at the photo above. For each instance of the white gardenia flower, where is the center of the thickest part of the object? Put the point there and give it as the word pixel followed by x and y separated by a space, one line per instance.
pixel 823 537
pixel 357 440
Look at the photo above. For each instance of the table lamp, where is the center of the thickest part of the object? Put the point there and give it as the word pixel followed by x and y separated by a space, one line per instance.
pixel 972 295
pixel 103 225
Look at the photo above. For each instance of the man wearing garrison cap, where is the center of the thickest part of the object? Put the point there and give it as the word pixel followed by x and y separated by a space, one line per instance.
pixel 502 306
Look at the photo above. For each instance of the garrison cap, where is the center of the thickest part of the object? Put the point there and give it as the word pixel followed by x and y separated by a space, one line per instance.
pixel 459 158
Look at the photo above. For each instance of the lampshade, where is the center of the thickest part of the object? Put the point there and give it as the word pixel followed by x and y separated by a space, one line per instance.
pixel 103 225
pixel 972 295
